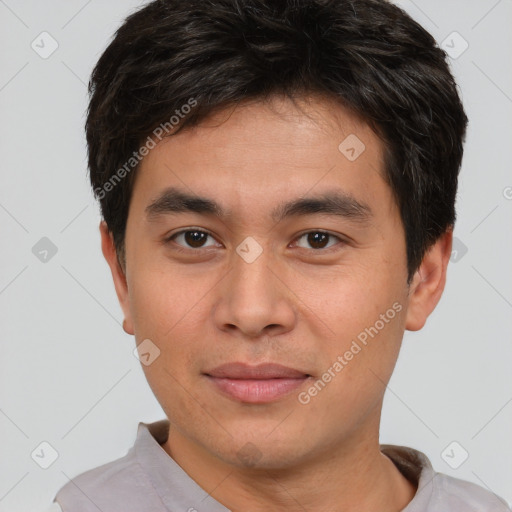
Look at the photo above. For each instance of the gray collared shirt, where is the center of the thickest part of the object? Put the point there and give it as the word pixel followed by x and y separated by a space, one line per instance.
pixel 147 479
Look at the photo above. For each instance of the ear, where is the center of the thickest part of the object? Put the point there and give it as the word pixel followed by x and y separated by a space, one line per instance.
pixel 428 282
pixel 118 275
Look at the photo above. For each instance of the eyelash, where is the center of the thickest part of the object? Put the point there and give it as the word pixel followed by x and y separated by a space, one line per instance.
pixel 180 248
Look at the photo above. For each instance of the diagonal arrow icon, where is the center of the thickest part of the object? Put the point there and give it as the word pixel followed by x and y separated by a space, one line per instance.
pixel 146 352
pixel 44 455
pixel 351 147
pixel 249 249
pixel 451 454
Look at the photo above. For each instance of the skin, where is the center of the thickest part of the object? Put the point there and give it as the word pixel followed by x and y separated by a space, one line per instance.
pixel 294 305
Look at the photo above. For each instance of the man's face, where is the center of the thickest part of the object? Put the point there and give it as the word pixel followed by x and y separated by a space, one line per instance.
pixel 253 287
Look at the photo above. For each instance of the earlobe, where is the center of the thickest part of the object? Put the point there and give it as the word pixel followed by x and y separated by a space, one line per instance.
pixel 120 283
pixel 428 283
pixel 127 327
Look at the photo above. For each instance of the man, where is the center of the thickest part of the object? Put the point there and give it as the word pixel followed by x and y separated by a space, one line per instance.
pixel 277 182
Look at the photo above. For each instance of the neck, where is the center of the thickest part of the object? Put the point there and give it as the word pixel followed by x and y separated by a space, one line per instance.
pixel 350 478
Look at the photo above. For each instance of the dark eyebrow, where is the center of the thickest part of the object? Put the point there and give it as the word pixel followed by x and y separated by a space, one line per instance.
pixel 339 204
pixel 173 200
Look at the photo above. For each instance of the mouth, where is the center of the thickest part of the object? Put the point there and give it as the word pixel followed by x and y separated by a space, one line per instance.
pixel 256 384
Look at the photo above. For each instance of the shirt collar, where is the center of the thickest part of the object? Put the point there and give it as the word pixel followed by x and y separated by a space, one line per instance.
pixel 174 487
pixel 185 494
pixel 416 467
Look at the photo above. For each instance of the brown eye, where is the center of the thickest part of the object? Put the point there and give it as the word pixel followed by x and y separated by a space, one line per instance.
pixel 191 238
pixel 317 239
pixel 195 238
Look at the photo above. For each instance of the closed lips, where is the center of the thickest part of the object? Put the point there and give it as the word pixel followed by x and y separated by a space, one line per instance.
pixel 243 371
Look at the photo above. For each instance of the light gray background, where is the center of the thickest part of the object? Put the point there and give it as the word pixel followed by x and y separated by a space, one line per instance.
pixel 68 374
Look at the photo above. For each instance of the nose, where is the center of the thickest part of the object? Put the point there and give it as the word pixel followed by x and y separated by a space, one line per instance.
pixel 253 300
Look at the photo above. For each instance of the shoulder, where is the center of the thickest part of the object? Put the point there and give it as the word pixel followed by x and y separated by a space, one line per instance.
pixel 438 492
pixel 108 485
pixel 122 485
pixel 454 494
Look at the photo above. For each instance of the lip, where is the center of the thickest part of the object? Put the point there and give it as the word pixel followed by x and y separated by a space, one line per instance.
pixel 260 371
pixel 256 384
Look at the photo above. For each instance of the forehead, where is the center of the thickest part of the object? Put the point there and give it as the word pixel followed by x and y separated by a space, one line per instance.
pixel 312 123
pixel 249 156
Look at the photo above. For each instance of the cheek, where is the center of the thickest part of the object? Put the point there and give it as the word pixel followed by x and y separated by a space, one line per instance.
pixel 354 298
pixel 170 320
pixel 170 315
pixel 163 302
pixel 366 319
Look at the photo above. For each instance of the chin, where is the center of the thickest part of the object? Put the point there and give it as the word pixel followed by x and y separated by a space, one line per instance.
pixel 262 451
